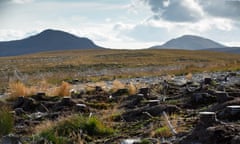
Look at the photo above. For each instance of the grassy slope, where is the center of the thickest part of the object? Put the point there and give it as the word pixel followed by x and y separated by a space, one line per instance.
pixel 65 64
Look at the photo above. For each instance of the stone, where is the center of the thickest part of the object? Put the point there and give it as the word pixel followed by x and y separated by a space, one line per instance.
pixel 207 118
pixel 37 115
pixel 19 111
pixel 11 139
pixel 130 141
pixel 81 108
pixel 208 80
pixel 153 102
pixel 234 109
pixel 230 113
pixel 222 96
pixel 144 91
pixel 236 140
pixel 67 101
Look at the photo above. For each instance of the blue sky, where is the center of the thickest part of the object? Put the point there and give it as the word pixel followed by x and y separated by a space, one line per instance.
pixel 123 23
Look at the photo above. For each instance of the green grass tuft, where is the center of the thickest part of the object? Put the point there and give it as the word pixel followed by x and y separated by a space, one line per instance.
pixel 6 121
pixel 63 130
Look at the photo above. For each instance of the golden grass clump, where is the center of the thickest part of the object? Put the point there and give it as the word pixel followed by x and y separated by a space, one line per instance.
pixel 189 76
pixel 20 89
pixel 44 85
pixel 63 90
pixel 117 85
pixel 131 89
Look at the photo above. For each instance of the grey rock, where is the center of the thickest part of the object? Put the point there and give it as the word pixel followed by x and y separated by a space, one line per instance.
pixel 11 139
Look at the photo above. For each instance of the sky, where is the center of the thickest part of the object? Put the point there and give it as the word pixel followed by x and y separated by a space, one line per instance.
pixel 123 23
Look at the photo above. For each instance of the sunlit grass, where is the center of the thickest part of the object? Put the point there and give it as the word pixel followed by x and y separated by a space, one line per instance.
pixel 63 90
pixel 58 66
pixel 68 129
pixel 18 88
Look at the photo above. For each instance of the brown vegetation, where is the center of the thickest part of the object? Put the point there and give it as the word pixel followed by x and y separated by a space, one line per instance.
pixel 98 65
pixel 63 90
pixel 20 89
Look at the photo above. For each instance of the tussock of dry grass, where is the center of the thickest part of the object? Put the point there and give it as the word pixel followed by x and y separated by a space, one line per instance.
pixel 117 85
pixel 189 76
pixel 63 90
pixel 44 85
pixel 19 89
pixel 131 89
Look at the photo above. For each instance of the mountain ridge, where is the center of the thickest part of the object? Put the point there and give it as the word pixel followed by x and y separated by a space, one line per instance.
pixel 47 40
pixel 190 42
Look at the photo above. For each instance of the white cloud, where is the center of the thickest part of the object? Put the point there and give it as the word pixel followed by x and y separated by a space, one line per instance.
pixel 233 43
pixel 193 10
pixel 175 10
pixel 22 1
pixel 10 34
pixel 222 8
pixel 161 31
pixel 139 23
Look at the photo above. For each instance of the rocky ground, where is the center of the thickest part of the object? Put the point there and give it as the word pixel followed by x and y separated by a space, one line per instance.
pixel 202 108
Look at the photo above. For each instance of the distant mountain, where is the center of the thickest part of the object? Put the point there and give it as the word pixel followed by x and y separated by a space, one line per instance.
pixel 48 40
pixel 235 50
pixel 190 42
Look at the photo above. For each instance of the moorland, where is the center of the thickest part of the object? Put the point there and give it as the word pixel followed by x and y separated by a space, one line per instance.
pixel 120 96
